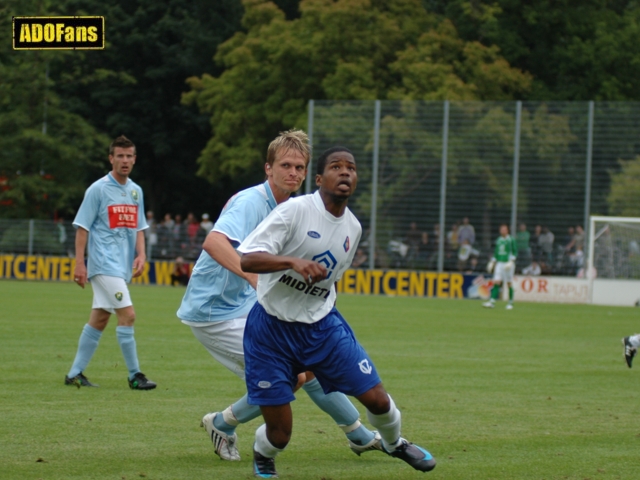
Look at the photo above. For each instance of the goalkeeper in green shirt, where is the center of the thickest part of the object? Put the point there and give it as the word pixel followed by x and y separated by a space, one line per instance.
pixel 503 265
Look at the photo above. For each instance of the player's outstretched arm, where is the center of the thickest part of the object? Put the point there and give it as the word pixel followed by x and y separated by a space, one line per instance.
pixel 219 247
pixel 263 262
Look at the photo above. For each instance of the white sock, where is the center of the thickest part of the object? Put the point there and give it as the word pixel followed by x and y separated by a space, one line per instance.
pixel 635 340
pixel 388 425
pixel 263 445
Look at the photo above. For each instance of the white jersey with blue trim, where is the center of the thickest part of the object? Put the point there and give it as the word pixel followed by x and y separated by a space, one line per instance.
pixel 215 294
pixel 113 214
pixel 303 228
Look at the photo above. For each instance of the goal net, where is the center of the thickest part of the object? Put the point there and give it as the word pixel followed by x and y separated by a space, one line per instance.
pixel 614 247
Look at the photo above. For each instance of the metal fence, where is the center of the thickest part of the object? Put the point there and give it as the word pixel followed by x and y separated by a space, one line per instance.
pixel 37 237
pixel 436 179
pixel 57 238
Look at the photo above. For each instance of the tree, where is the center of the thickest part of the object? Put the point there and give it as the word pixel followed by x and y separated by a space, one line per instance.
pixel 583 50
pixel 134 87
pixel 334 50
pixel 45 149
pixel 624 196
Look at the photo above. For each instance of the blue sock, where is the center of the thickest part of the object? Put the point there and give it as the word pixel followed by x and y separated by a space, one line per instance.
pixel 340 408
pixel 245 412
pixel 239 412
pixel 128 347
pixel 361 435
pixel 87 345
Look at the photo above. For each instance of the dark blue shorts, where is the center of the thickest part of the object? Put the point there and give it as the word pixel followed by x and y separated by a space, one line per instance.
pixel 276 351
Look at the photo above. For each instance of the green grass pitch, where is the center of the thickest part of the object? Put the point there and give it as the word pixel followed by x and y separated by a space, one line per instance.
pixel 540 392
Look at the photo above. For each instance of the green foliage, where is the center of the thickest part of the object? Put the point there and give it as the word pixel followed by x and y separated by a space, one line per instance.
pixel 624 196
pixel 44 147
pixel 348 49
pixel 134 86
pixel 443 66
pixel 479 163
pixel 583 50
pixel 46 239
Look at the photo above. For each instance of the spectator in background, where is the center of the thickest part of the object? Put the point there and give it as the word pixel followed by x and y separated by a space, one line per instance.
pixel 165 237
pixel 360 259
pixel 424 250
pixel 168 221
pixel 533 269
pixel 464 253
pixel 534 243
pixel 579 237
pixel 196 236
pixel 576 260
pixel 545 240
pixel 180 272
pixel 412 238
pixel 452 237
pixel 545 268
pixel 206 224
pixel 473 265
pixel 523 237
pixel 151 234
pixel 192 228
pixel 466 232
pixel 451 250
pixel 179 236
pixel 569 241
pixel 435 246
pixel 66 237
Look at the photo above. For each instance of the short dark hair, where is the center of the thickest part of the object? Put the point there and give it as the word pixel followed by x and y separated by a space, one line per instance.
pixel 122 142
pixel 322 159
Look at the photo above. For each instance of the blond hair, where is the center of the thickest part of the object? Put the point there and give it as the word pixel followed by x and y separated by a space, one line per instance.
pixel 295 140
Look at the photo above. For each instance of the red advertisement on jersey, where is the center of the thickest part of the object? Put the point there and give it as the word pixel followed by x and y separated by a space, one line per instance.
pixel 123 216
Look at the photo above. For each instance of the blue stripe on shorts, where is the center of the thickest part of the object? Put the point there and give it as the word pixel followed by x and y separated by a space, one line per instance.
pixel 275 352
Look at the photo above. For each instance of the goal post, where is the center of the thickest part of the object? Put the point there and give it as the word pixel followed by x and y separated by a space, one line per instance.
pixel 614 255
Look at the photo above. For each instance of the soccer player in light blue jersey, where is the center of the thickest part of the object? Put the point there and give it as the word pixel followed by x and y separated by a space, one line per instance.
pixel 111 218
pixel 219 296
pixel 301 250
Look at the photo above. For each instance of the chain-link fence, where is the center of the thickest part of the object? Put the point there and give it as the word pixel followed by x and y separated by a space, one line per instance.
pixel 57 238
pixel 37 237
pixel 436 179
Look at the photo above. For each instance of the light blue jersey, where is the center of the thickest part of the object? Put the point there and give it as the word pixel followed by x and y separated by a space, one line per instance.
pixel 113 214
pixel 215 294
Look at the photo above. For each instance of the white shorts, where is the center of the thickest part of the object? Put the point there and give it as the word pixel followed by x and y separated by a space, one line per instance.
pixel 223 340
pixel 501 273
pixel 110 293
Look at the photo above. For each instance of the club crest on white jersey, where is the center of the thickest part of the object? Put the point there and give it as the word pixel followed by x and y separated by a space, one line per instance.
pixel 328 260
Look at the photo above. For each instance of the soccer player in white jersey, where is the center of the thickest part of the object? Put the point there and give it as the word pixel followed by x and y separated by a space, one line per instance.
pixel 220 295
pixel 111 218
pixel 301 249
pixel 503 265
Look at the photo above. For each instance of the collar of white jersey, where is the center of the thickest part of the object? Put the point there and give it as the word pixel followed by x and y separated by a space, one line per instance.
pixel 116 182
pixel 317 201
pixel 271 200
